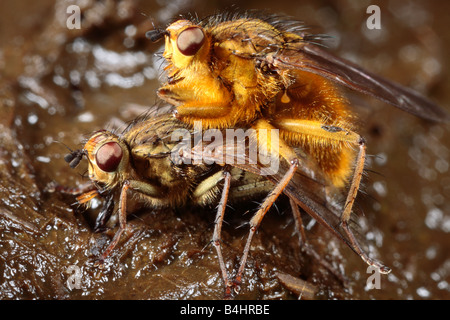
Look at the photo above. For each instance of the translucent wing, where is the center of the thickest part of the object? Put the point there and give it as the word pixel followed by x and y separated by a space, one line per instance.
pixel 311 58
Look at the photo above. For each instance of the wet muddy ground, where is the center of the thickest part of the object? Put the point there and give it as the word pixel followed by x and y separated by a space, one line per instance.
pixel 58 85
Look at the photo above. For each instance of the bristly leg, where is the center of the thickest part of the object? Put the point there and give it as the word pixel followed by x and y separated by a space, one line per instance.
pixel 216 239
pixel 346 214
pixel 122 223
pixel 259 215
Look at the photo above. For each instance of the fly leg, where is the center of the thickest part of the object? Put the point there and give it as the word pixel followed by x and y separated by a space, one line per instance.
pixel 199 194
pixel 330 136
pixel 267 144
pixel 133 185
pixel 346 214
pixel 216 239
pixel 122 222
pixel 259 215
pixel 298 223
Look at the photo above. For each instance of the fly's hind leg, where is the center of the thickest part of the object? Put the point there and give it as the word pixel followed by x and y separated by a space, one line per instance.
pixel 346 214
pixel 329 136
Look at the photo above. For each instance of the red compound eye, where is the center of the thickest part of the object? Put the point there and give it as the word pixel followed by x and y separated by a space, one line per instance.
pixel 108 156
pixel 190 41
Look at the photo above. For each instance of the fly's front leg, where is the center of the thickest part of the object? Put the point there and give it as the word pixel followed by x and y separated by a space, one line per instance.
pixel 202 110
pixel 207 100
pixel 122 221
pixel 136 186
pixel 210 114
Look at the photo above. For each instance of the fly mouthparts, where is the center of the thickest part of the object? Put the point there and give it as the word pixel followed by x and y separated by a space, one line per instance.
pixel 155 35
pixel 74 158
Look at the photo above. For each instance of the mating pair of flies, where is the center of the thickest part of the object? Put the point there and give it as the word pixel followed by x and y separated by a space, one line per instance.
pixel 242 71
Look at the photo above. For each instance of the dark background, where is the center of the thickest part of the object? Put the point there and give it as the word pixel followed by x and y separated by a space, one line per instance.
pixel 60 85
